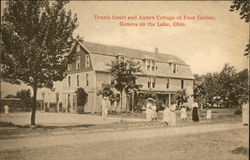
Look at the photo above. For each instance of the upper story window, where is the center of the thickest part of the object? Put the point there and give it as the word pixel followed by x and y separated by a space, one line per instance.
pixel 150 65
pixel 77 80
pixel 153 65
pixel 174 67
pixel 69 82
pixel 167 83
pixel 78 60
pixel 151 82
pixel 87 79
pixel 182 84
pixel 87 61
pixel 78 48
pixel 120 58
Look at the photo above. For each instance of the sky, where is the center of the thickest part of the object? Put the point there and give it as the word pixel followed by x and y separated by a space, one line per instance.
pixel 205 45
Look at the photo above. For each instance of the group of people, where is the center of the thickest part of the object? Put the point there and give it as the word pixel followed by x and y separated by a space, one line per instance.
pixel 169 115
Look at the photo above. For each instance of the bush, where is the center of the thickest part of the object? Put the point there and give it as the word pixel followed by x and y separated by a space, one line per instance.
pixel 238 111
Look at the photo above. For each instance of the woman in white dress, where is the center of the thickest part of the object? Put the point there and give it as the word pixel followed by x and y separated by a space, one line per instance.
pixel 154 114
pixel 166 116
pixel 148 110
pixel 172 115
pixel 104 108
pixel 183 113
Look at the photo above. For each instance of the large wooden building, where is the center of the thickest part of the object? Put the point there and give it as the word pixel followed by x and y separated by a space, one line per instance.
pixel 163 74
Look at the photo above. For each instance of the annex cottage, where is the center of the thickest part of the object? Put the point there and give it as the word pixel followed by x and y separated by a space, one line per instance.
pixel 163 74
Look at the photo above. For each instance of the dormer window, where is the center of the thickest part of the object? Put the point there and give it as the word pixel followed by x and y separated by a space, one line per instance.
pixel 120 58
pixel 78 48
pixel 174 67
pixel 153 65
pixel 150 65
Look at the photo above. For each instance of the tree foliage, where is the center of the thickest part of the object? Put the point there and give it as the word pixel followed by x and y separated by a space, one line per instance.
pixel 227 88
pixel 244 7
pixel 124 75
pixel 82 99
pixel 181 97
pixel 25 97
pixel 36 39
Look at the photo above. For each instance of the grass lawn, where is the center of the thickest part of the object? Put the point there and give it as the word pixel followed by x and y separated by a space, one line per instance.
pixel 10 130
pixel 221 145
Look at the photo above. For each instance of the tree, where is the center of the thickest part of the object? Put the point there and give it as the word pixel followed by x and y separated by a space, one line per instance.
pixel 244 7
pixel 107 90
pixel 181 97
pixel 228 88
pixel 25 96
pixel 82 99
pixel 36 39
pixel 124 76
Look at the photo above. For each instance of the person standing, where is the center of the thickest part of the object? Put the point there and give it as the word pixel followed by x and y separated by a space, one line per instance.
pixel 148 110
pixel 172 115
pixel 154 114
pixel 6 109
pixel 104 108
pixel 195 116
pixel 209 114
pixel 183 113
pixel 245 113
pixel 166 117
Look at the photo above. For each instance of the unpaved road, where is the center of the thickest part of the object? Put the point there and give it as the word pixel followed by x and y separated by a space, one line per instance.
pixel 86 138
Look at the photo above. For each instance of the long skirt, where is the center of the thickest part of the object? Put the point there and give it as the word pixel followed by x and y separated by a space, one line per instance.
pixel 195 116
pixel 148 115
pixel 172 119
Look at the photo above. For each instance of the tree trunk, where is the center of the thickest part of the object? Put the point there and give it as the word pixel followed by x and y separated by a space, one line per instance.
pixel 33 112
pixel 133 96
pixel 121 107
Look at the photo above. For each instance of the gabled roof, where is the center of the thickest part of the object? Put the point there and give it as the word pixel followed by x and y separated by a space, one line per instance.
pixel 102 54
pixel 128 52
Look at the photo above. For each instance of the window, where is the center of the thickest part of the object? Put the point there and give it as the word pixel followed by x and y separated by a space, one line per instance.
pixel 153 82
pixel 69 83
pixel 148 64
pixel 78 62
pixel 174 68
pixel 77 80
pixel 78 48
pixel 87 64
pixel 69 67
pixel 120 58
pixel 182 84
pixel 149 82
pixel 167 83
pixel 153 65
pixel 87 79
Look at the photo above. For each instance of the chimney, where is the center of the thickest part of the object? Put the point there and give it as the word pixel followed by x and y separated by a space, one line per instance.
pixel 156 51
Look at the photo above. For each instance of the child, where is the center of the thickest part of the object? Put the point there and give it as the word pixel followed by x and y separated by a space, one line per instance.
pixel 166 113
pixel 183 113
pixel 209 114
